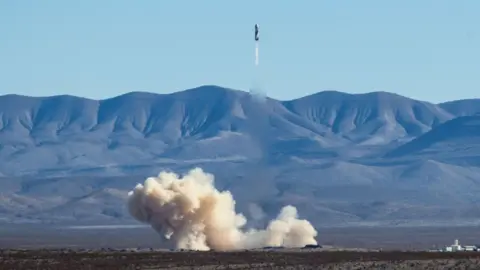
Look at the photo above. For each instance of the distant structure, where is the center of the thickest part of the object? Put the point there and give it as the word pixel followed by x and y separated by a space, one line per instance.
pixel 457 247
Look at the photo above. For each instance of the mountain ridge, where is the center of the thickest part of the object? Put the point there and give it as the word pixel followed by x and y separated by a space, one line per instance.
pixel 223 88
pixel 332 153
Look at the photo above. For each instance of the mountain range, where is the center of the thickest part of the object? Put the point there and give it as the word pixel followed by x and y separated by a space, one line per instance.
pixel 342 159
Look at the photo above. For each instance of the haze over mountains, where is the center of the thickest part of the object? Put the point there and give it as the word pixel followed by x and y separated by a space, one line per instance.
pixel 341 159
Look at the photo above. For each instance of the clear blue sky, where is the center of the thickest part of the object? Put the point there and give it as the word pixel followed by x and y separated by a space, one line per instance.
pixel 426 49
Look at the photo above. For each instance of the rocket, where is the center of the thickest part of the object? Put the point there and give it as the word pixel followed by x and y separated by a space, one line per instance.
pixel 256 44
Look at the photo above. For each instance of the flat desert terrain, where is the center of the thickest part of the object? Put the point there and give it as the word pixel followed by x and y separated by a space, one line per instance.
pixel 56 236
pixel 65 259
pixel 63 247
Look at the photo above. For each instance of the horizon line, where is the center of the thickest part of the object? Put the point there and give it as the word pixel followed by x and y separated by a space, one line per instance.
pixel 234 90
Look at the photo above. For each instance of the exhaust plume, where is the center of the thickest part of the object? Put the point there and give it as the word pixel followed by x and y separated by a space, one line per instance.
pixel 256 53
pixel 193 214
pixel 256 89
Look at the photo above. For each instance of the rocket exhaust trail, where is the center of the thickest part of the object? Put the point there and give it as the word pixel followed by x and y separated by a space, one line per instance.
pixel 256 53
pixel 256 87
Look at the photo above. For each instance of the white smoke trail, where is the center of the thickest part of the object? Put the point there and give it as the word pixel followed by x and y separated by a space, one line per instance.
pixel 256 89
pixel 256 53
pixel 193 214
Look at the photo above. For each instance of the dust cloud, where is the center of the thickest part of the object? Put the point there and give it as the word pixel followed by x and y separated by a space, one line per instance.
pixel 193 214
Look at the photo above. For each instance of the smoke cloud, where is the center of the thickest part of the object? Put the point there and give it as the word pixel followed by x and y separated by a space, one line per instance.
pixel 193 214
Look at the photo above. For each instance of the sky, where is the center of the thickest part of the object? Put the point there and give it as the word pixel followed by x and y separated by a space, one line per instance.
pixel 426 50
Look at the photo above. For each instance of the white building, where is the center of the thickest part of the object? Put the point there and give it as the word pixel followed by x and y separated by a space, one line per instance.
pixel 470 248
pixel 455 247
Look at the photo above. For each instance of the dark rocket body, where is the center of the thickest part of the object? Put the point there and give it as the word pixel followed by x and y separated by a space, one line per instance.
pixel 256 32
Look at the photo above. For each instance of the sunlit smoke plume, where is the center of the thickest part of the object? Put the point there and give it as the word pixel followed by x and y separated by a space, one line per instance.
pixel 193 214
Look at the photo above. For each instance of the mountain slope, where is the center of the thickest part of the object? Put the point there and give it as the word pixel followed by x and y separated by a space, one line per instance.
pixel 74 134
pixel 459 137
pixel 377 117
pixel 462 107
pixel 329 194
pixel 340 158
